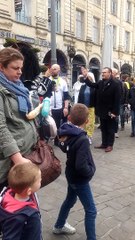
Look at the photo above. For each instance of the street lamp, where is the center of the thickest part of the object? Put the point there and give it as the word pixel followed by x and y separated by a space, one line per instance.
pixel 53 33
pixel 71 52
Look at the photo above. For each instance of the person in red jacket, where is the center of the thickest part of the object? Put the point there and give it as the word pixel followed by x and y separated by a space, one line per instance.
pixel 19 213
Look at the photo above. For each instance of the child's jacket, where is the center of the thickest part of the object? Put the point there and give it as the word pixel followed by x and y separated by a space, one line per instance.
pixel 19 220
pixel 80 166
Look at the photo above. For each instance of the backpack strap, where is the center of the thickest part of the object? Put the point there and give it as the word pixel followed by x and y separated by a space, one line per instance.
pixel 2 193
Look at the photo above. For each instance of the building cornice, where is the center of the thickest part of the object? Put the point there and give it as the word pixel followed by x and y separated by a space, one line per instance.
pixel 6 25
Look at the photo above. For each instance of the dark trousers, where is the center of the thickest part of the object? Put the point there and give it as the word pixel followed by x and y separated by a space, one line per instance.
pixel 122 115
pixel 133 122
pixel 57 116
pixel 108 128
pixel 116 124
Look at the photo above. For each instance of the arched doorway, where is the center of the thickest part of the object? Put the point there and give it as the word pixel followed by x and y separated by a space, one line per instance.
pixel 126 69
pixel 94 66
pixel 77 62
pixel 61 60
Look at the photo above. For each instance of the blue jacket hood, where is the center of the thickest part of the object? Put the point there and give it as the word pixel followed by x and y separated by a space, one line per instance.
pixel 69 129
pixel 68 134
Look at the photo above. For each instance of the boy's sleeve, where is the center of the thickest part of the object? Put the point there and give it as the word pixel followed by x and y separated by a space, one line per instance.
pixel 22 227
pixel 84 163
pixel 13 228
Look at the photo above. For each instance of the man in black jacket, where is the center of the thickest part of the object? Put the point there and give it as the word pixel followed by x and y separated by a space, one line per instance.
pixel 107 106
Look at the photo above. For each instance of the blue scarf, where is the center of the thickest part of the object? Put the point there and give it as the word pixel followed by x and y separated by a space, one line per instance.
pixel 21 92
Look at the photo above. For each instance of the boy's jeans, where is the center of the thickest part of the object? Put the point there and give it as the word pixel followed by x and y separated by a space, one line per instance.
pixel 85 195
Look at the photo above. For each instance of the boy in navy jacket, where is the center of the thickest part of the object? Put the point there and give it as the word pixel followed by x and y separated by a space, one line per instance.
pixel 19 212
pixel 80 168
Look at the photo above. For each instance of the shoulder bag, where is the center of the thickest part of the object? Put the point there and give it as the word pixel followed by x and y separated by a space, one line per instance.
pixel 50 166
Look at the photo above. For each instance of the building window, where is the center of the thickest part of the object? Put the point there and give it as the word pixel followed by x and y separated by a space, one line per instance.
pixel 114 7
pixel 128 11
pixel 127 41
pixel 49 15
pixel 114 28
pixel 96 30
pixel 23 11
pixel 97 2
pixel 79 24
pixel 18 5
pixel 57 15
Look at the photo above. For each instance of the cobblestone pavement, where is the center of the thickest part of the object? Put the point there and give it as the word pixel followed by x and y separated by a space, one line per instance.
pixel 114 191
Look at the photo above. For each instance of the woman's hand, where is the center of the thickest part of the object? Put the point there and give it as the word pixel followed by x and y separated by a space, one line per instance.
pixel 17 158
pixel 48 73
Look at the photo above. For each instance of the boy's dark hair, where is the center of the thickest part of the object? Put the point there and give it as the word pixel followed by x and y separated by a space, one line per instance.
pixel 79 114
pixel 22 176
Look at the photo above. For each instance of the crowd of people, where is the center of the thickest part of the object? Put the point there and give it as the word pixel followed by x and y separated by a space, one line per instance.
pixel 111 99
pixel 107 100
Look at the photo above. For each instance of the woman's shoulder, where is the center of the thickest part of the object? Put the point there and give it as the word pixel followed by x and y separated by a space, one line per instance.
pixel 3 90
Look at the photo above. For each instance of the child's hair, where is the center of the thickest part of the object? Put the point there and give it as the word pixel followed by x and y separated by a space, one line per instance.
pixel 79 114
pixel 22 176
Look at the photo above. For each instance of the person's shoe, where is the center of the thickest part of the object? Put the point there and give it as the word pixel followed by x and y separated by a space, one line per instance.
pixel 100 147
pixel 132 135
pixel 122 129
pixel 109 149
pixel 116 135
pixel 67 229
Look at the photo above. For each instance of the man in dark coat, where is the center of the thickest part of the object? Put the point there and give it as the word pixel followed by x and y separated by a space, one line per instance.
pixel 107 106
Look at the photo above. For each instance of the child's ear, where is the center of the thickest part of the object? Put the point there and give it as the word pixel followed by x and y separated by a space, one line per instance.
pixel 1 67
pixel 29 191
pixel 86 122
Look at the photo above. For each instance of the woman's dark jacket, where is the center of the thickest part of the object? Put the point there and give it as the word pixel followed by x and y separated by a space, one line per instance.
pixel 92 95
pixel 107 97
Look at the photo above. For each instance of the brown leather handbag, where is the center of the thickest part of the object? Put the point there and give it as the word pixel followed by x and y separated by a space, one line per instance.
pixel 50 166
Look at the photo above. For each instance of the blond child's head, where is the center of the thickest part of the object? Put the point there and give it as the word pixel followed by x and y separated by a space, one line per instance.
pixel 24 176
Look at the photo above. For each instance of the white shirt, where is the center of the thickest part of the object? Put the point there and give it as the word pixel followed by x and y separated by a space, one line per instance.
pixel 57 94
pixel 76 88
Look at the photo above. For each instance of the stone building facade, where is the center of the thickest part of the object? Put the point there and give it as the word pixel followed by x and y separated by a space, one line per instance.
pixel 79 31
